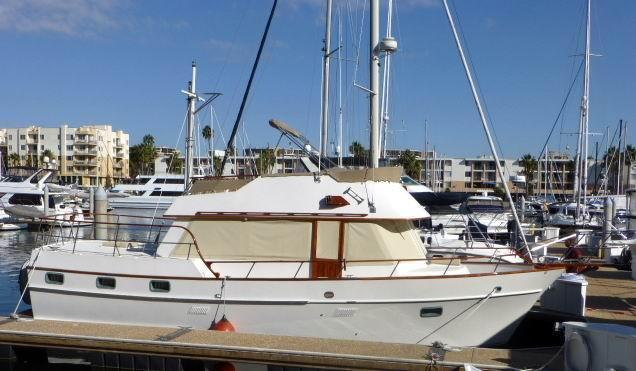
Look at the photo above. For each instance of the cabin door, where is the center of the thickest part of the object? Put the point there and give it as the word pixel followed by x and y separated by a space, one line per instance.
pixel 326 257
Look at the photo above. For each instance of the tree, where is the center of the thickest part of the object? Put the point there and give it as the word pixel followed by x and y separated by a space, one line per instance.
pixel 530 166
pixel 360 154
pixel 175 163
pixel 14 159
pixel 412 166
pixel 266 161
pixel 499 192
pixel 142 156
pixel 208 134
pixel 217 165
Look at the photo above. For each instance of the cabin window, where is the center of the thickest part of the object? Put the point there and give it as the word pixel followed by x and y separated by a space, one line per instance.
pixel 105 282
pixel 54 278
pixel 25 199
pixel 431 312
pixel 382 240
pixel 159 286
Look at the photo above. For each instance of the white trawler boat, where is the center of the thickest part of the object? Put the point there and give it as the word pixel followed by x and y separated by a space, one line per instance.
pixel 333 256
pixel 147 192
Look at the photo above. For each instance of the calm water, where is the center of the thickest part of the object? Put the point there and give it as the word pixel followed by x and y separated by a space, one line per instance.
pixel 16 247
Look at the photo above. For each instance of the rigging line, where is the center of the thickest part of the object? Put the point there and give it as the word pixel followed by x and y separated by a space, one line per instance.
pixel 359 47
pixel 476 304
pixel 478 84
pixel 231 48
pixel 565 101
pixel 249 83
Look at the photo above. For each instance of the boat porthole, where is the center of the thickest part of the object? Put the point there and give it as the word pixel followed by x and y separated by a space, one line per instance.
pixel 329 294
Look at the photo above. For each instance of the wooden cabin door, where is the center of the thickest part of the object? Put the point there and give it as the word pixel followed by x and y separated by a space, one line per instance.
pixel 326 257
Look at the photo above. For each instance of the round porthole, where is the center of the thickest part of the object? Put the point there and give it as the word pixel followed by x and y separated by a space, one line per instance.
pixel 328 294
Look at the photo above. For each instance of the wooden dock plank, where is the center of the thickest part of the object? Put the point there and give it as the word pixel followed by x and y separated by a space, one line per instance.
pixel 262 349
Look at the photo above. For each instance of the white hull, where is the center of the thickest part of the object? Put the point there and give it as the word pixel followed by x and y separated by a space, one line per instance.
pixel 374 309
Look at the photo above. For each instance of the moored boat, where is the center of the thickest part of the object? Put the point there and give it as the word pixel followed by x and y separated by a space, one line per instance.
pixel 332 255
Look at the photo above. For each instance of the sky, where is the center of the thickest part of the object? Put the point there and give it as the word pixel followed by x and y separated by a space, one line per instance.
pixel 124 63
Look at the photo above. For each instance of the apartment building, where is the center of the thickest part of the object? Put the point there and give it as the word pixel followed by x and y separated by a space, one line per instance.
pixel 87 155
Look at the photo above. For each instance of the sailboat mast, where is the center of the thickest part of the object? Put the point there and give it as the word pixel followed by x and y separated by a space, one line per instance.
pixel 580 175
pixel 374 79
pixel 484 123
pixel 190 136
pixel 585 110
pixel 386 81
pixel 325 83
pixel 340 146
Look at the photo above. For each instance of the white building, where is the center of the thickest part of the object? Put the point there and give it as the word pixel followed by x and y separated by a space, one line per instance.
pixel 87 155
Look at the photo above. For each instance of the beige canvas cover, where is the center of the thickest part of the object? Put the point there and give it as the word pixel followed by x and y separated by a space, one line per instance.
pixel 384 240
pixel 249 240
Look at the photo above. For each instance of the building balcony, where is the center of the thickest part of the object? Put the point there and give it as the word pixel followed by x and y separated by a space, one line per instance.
pixel 118 165
pixel 85 152
pixel 119 155
pixel 85 163
pixel 86 142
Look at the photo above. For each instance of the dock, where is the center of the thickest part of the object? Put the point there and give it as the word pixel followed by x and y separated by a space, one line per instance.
pixel 256 349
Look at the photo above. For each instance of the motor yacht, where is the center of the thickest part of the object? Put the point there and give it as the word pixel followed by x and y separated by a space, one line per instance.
pixel 328 255
pixel 147 192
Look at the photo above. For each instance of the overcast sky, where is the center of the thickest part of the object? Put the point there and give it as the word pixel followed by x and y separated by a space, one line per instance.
pixel 124 63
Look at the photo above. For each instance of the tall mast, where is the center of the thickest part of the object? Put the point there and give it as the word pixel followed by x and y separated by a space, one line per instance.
pixel 231 147
pixel 386 78
pixel 374 79
pixel 484 123
pixel 583 133
pixel 340 148
pixel 190 133
pixel 325 83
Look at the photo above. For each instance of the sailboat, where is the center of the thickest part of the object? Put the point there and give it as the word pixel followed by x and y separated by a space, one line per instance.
pixel 575 214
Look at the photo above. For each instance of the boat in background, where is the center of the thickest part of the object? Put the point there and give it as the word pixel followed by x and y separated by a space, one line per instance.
pixel 147 192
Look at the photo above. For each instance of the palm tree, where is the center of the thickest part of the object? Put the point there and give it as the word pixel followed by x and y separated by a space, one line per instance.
pixel 208 134
pixel 14 159
pixel 175 163
pixel 412 166
pixel 266 161
pixel 530 166
pixel 359 153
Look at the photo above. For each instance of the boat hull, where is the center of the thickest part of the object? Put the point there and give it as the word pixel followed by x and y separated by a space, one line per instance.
pixel 460 311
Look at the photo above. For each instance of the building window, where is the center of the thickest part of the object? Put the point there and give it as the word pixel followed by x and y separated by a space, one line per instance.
pixel 41 136
pixel 59 147
pixel 69 169
pixel 69 148
pixel 23 147
pixel 22 137
pixel 42 147
pixel 69 137
pixel 10 147
pixel 59 137
pixel 69 158
pixel 10 137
